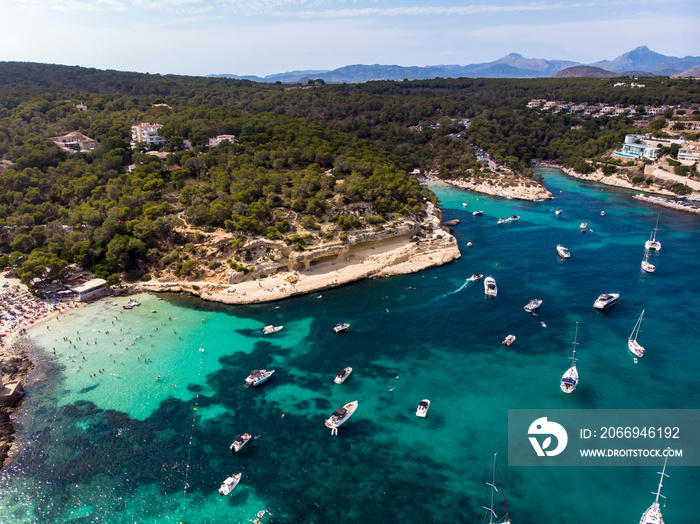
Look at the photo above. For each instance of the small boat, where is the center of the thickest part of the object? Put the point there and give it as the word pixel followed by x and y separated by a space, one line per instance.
pixel 127 307
pixel 490 286
pixel 502 221
pixel 602 213
pixel 606 300
pixel 634 346
pixel 269 330
pixel 563 252
pixel 258 376
pixel 475 277
pixel 477 213
pixel 340 416
pixel 653 514
pixel 558 211
pixel 343 375
pixel 533 305
pixel 137 337
pixel 229 484
pixel 509 340
pixel 513 218
pixel 339 328
pixel 111 303
pixel 583 226
pixel 647 266
pixel 543 324
pixel 239 442
pixel 133 302
pixel 652 243
pixel 493 518
pixel 423 408
pixel 569 379
pixel 465 204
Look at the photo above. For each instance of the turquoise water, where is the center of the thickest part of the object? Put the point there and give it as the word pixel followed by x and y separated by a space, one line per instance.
pixel 125 446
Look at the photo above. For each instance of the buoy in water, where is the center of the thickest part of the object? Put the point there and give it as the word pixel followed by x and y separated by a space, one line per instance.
pixel 635 360
pixel 469 244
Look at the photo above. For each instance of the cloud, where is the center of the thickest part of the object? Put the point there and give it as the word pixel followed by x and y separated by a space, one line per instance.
pixel 439 11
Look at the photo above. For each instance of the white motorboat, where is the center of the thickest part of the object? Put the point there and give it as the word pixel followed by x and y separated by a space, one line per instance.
pixel 258 376
pixel 340 327
pixel 490 286
pixel 502 221
pixel 133 303
pixel 647 266
pixel 563 252
pixel 343 375
pixel 653 514
pixel 229 484
pixel 602 213
pixel 583 226
pixel 509 340
pixel 239 442
pixel 475 277
pixel 477 213
pixel 340 416
pixel 606 300
pixel 465 204
pixel 513 218
pixel 634 346
pixel 533 305
pixel 569 379
pixel 269 330
pixel 493 518
pixel 652 243
pixel 423 407
pixel 558 211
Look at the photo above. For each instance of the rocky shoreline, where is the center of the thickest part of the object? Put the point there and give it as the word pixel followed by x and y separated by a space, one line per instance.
pixel 523 190
pixel 419 246
pixel 14 367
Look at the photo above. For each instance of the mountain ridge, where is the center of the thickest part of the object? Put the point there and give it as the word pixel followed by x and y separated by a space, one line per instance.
pixel 640 60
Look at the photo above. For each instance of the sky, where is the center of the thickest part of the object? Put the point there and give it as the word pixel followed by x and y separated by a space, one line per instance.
pixel 264 37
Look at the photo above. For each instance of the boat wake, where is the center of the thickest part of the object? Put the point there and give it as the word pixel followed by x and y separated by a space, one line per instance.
pixel 460 288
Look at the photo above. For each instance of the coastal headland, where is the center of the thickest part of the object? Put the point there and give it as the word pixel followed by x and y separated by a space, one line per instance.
pixel 514 188
pixel 411 246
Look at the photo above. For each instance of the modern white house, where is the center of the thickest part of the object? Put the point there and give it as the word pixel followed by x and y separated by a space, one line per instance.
pixel 90 290
pixel 148 134
pixel 689 154
pixel 213 142
pixel 636 147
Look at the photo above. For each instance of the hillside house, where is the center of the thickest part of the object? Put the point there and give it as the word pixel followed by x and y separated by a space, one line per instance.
pixel 215 141
pixel 148 134
pixel 689 154
pixel 74 142
pixel 636 147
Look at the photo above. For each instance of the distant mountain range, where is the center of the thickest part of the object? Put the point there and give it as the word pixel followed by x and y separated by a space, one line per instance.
pixel 638 62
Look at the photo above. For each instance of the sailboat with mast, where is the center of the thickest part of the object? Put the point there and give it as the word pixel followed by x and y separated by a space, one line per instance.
pixel 653 514
pixel 652 243
pixel 493 518
pixel 569 380
pixel 634 346
pixel 646 265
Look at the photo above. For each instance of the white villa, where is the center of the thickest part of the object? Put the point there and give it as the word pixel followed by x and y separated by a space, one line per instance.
pixel 148 134
pixel 635 146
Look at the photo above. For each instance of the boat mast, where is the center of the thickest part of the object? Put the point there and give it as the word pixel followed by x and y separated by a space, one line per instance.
pixel 492 484
pixel 504 495
pixel 637 326
pixel 661 481
pixel 573 358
